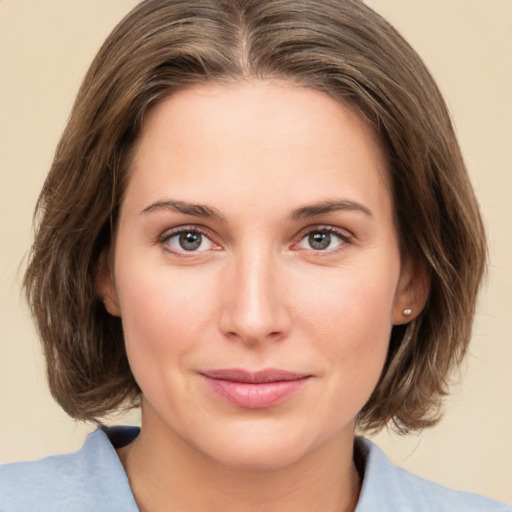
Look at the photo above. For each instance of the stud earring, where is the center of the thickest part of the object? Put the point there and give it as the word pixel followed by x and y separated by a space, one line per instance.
pixel 407 312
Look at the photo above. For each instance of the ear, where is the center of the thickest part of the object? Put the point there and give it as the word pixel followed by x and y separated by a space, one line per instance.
pixel 104 284
pixel 412 292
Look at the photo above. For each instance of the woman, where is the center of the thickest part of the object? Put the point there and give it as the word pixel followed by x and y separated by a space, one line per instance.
pixel 245 229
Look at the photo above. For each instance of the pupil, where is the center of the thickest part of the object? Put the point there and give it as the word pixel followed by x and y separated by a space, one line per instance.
pixel 319 240
pixel 190 241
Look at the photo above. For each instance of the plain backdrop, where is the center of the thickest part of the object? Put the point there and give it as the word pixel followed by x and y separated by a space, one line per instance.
pixel 45 49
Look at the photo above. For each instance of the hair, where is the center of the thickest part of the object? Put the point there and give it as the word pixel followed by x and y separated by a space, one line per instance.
pixel 339 47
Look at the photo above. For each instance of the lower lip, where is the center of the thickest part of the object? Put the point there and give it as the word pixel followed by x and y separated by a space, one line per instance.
pixel 255 396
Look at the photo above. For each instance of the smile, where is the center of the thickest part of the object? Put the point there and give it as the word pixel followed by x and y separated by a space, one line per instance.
pixel 254 390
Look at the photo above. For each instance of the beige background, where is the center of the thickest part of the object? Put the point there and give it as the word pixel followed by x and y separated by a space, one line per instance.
pixel 45 48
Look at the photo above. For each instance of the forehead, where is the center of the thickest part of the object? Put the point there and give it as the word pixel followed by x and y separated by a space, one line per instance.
pixel 255 136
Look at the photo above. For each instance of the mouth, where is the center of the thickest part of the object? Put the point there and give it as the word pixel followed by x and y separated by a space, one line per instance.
pixel 254 390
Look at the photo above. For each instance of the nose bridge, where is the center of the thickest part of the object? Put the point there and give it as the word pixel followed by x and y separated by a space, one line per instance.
pixel 256 310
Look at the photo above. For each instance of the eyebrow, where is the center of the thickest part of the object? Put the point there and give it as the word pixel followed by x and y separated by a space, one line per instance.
pixel 196 210
pixel 208 212
pixel 329 206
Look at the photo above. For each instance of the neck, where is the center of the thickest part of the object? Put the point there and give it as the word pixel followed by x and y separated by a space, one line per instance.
pixel 167 474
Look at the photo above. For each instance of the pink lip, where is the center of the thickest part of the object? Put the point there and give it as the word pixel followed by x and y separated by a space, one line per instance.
pixel 254 390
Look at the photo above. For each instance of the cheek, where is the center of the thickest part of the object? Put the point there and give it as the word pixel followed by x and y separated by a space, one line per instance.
pixel 352 333
pixel 350 319
pixel 164 313
pixel 348 302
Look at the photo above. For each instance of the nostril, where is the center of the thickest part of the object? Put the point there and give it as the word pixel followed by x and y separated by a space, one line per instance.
pixel 254 338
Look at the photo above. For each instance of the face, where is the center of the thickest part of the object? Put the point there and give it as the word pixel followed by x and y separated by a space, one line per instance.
pixel 256 270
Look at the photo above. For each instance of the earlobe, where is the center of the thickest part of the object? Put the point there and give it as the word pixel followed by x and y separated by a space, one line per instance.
pixel 104 284
pixel 412 292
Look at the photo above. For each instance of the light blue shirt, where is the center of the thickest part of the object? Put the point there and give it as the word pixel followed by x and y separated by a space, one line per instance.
pixel 93 479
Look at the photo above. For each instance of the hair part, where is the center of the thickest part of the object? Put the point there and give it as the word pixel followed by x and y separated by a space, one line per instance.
pixel 339 47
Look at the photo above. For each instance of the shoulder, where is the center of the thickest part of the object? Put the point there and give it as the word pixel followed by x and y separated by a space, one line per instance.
pixel 388 488
pixel 90 479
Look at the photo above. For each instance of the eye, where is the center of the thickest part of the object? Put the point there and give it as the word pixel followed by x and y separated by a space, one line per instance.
pixel 188 240
pixel 324 239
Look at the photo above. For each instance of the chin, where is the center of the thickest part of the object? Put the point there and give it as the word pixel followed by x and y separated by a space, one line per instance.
pixel 260 448
pixel 259 457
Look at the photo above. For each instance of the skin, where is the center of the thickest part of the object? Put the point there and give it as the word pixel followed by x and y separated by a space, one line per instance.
pixel 255 294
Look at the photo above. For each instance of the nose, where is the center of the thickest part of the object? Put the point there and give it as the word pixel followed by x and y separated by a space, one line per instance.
pixel 255 310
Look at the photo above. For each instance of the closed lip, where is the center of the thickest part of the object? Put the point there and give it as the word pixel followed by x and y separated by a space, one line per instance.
pixel 254 389
pixel 254 377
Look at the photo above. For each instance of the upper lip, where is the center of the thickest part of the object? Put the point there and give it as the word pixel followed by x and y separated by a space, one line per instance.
pixel 253 377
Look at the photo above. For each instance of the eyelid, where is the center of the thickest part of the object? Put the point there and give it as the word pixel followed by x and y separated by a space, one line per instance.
pixel 346 237
pixel 187 228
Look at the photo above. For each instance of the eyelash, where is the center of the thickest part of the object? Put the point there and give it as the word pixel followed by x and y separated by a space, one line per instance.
pixel 168 235
pixel 344 237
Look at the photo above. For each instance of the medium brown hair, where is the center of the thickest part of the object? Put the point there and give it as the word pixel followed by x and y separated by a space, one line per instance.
pixel 340 47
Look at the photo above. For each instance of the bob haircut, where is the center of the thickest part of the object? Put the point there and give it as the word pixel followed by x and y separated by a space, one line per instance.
pixel 339 47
